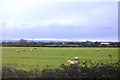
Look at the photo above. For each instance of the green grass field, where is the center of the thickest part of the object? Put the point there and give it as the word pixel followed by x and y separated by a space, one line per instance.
pixel 41 56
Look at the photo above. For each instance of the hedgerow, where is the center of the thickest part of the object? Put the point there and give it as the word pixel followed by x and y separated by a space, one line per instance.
pixel 86 69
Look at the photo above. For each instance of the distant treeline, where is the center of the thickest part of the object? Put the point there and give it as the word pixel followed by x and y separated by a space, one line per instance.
pixel 25 43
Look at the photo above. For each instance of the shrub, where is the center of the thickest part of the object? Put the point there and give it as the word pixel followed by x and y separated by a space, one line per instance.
pixel 86 69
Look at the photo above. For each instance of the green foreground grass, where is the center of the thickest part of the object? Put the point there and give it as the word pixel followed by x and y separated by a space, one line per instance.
pixel 53 57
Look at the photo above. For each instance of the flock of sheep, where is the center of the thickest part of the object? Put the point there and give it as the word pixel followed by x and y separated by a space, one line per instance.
pixel 75 60
pixel 71 62
pixel 24 50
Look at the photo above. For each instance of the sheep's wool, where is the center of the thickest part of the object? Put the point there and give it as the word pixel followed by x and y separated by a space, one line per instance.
pixel 18 50
pixel 76 57
pixel 68 60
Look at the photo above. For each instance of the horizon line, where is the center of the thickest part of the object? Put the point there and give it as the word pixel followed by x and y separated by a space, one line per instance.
pixel 61 39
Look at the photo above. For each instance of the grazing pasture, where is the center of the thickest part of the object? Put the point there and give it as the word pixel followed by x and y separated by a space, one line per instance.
pixel 41 57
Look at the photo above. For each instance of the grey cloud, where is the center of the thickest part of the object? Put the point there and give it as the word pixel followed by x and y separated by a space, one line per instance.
pixel 63 20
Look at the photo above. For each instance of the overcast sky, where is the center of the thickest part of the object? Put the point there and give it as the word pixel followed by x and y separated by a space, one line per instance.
pixel 73 20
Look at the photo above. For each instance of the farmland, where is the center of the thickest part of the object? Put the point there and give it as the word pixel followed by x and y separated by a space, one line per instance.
pixel 53 57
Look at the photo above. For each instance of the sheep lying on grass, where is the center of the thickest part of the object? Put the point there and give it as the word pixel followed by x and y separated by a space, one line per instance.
pixel 72 62
pixel 17 50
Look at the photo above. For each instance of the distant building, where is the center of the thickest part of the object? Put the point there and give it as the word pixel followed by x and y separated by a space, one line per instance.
pixel 105 44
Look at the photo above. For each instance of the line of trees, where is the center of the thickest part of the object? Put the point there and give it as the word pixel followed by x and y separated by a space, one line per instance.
pixel 25 43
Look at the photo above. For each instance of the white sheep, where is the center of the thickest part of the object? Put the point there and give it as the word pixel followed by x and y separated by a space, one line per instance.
pixel 17 50
pixel 31 49
pixel 76 58
pixel 23 49
pixel 97 49
pixel 69 61
pixel 72 62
